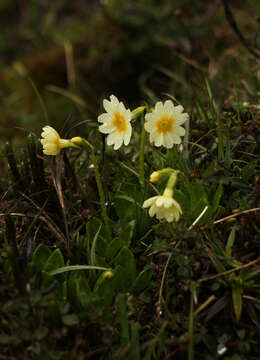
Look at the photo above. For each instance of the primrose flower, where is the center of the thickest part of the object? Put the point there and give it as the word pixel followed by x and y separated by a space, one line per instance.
pixel 51 141
pixel 164 206
pixel 164 124
pixel 116 122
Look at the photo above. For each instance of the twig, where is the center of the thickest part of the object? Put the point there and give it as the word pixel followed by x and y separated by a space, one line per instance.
pixel 205 304
pixel 204 227
pixel 230 271
pixel 198 218
pixel 159 311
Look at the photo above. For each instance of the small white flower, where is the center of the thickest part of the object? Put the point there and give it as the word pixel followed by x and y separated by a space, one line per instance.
pixel 51 141
pixel 164 124
pixel 164 206
pixel 116 122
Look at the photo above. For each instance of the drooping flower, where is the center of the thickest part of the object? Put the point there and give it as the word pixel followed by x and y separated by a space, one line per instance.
pixel 164 206
pixel 51 141
pixel 116 122
pixel 164 124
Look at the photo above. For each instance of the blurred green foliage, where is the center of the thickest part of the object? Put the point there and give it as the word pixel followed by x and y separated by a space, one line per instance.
pixel 77 53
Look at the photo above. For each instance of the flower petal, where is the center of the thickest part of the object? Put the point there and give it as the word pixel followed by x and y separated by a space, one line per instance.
pixel 105 118
pixel 106 128
pixel 111 139
pixel 158 139
pixel 118 143
pixel 127 135
pixel 153 210
pixel 179 130
pixel 149 201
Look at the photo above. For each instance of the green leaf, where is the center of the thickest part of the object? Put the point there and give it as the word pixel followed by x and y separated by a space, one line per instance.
pixel 157 339
pixel 197 197
pixel 125 208
pixel 230 241
pixel 5 339
pixel 108 284
pixel 123 319
pixel 248 170
pixel 237 290
pixel 54 261
pixel 70 320
pixel 113 247
pixel 127 232
pixel 41 332
pixel 76 267
pixel 126 260
pixel 142 281
pixel 217 264
pixel 30 228
pixel 135 330
pixel 216 199
pixel 40 256
pixel 210 170
pixel 77 286
pixel 93 247
pixel 94 230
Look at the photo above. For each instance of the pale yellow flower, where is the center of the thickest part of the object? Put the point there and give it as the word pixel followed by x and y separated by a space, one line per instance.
pixel 51 141
pixel 155 176
pixel 116 122
pixel 164 124
pixel 164 206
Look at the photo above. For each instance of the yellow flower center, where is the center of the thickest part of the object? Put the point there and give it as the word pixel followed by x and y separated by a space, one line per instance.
pixel 165 124
pixel 119 122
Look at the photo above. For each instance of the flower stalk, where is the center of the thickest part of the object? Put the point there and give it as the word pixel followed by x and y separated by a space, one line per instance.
pixel 172 181
pixel 85 144
pixel 141 158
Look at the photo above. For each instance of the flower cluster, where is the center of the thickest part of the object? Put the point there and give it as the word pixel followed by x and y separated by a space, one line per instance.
pixel 163 123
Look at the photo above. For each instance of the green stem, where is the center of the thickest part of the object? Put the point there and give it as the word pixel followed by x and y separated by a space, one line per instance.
pixel 172 181
pixel 141 158
pixel 101 194
pixel 163 280
pixel 186 140
pixel 87 145
pixel 191 324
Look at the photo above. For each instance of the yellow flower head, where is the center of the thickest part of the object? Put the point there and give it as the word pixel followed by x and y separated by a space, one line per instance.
pixel 164 206
pixel 116 122
pixel 51 141
pixel 164 124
